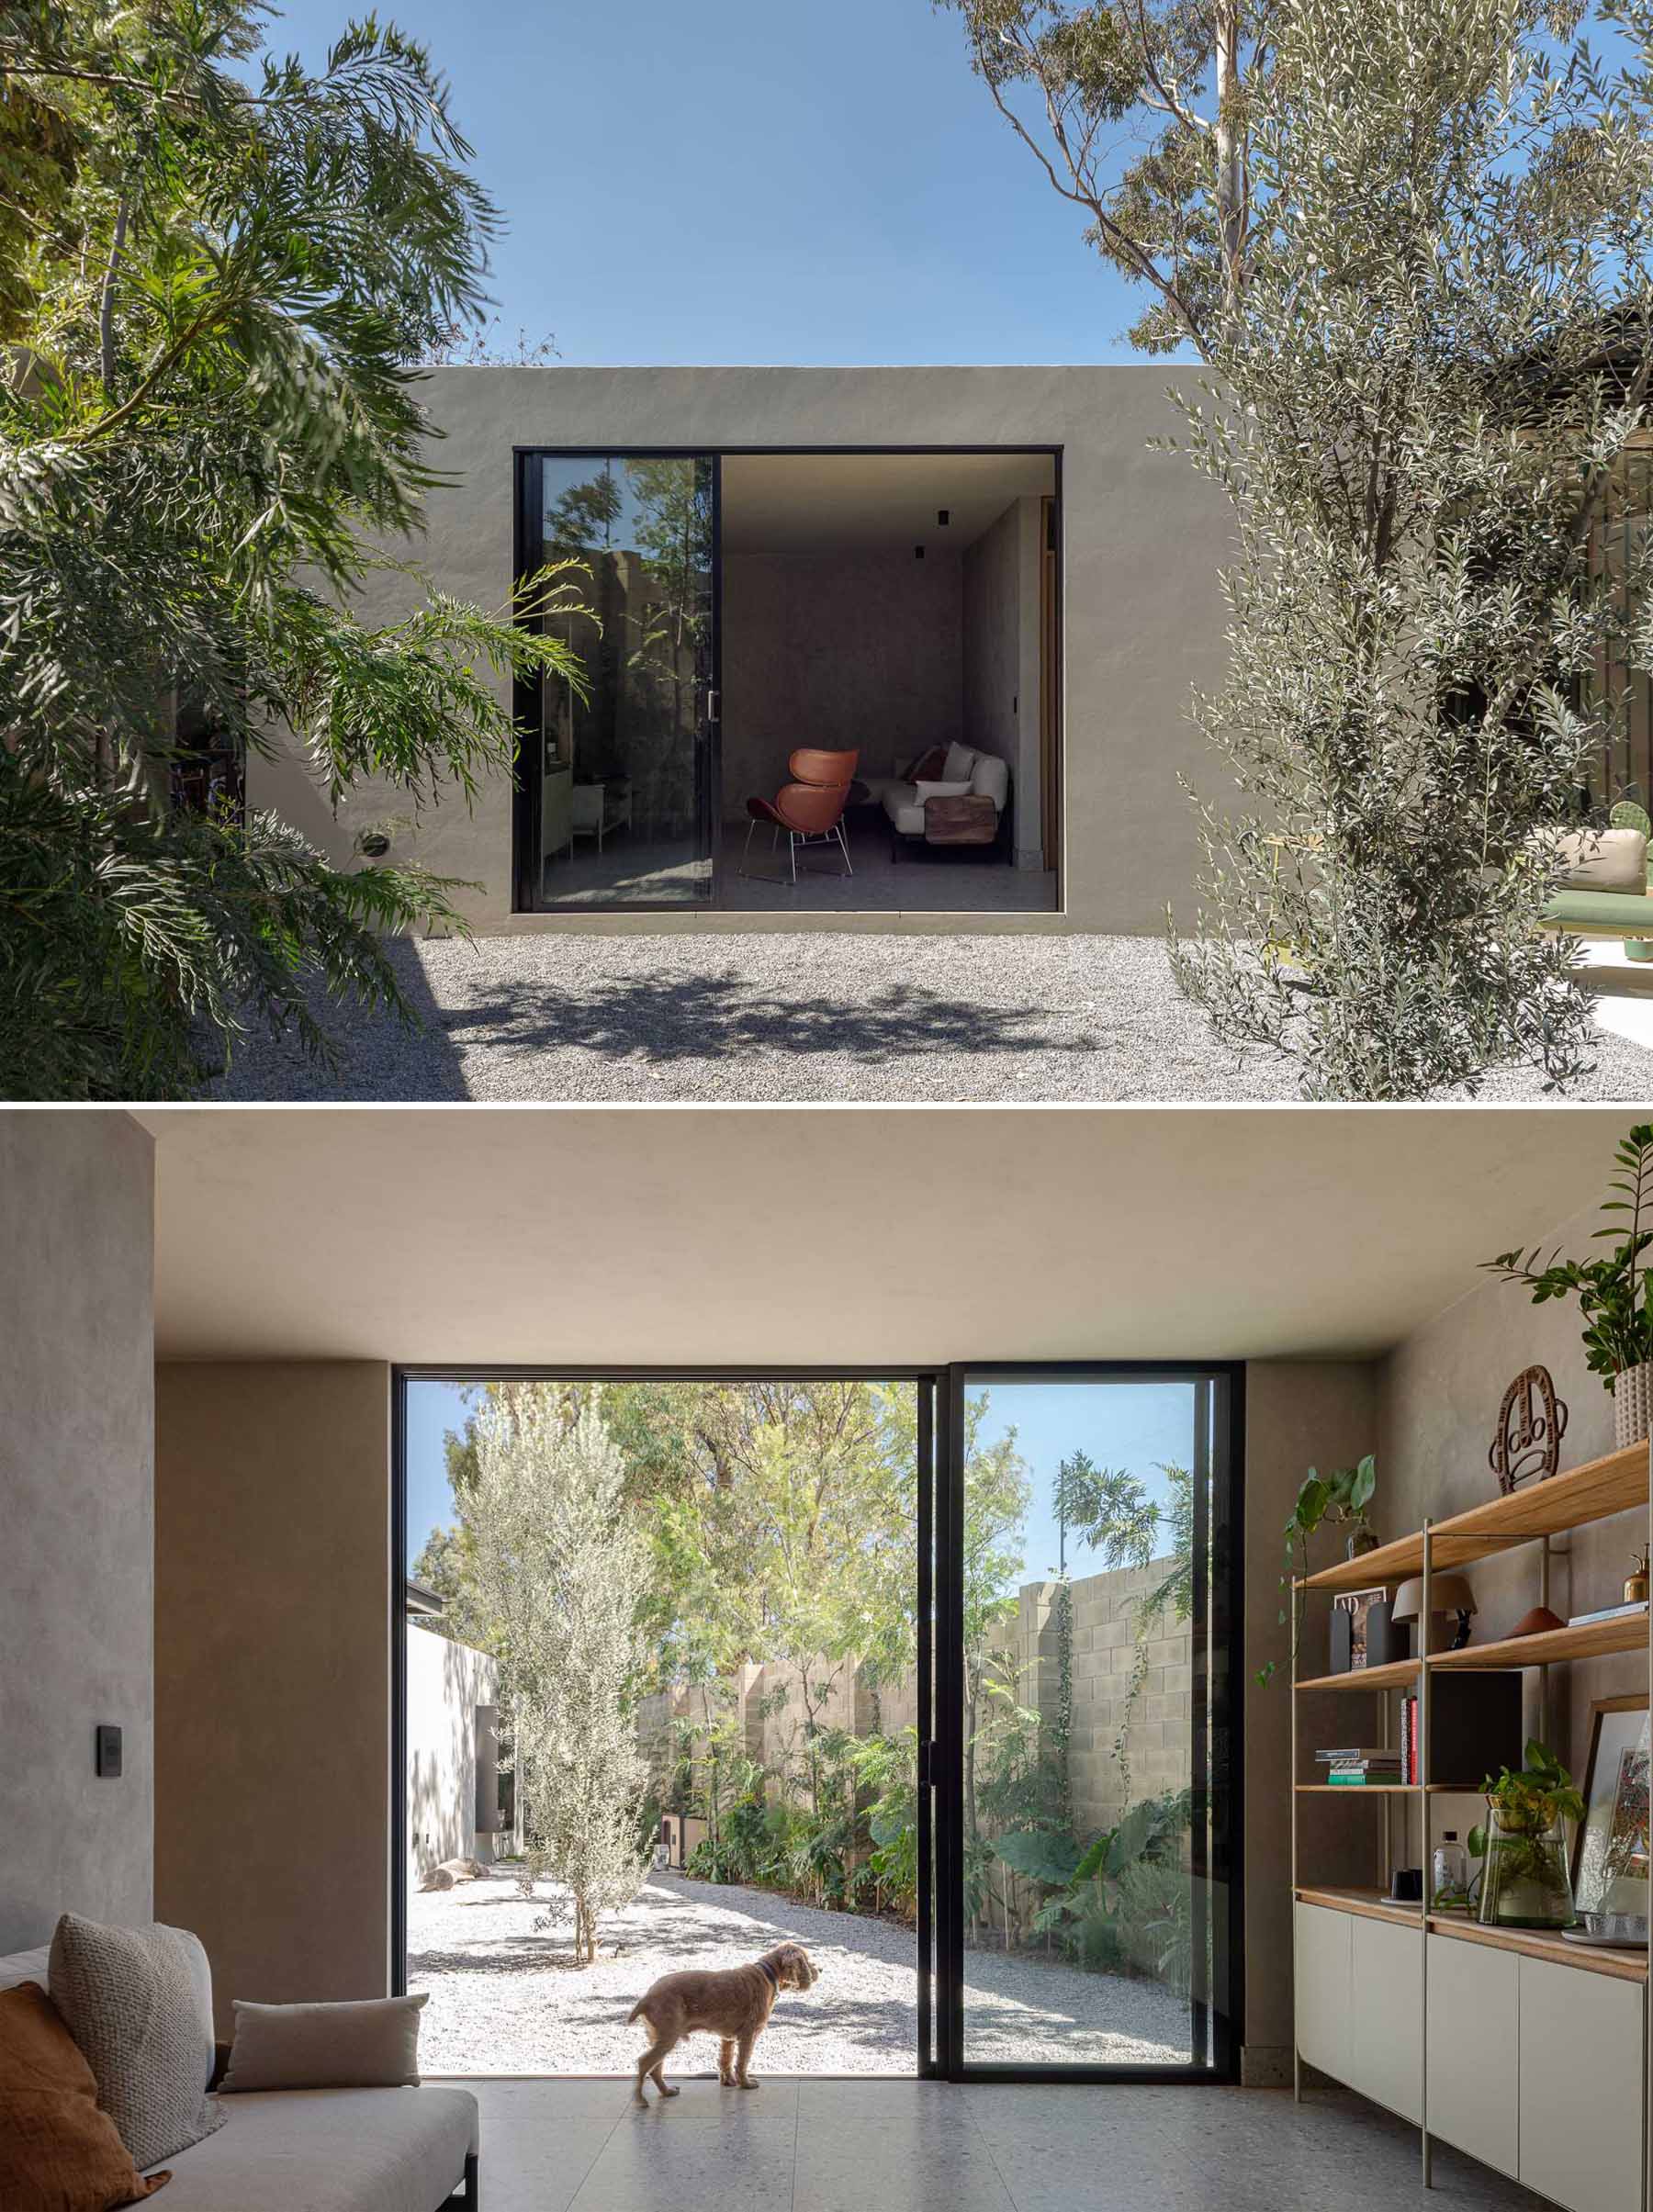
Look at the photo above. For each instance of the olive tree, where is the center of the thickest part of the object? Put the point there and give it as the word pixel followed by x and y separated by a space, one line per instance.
pixel 562 1572
pixel 1443 351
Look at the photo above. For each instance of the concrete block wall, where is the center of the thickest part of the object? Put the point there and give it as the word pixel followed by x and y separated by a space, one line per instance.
pixel 768 1700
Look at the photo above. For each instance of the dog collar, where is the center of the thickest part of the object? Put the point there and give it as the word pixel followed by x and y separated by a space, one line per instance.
pixel 771 1973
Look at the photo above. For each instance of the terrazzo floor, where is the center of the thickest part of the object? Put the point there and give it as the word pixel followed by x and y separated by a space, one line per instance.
pixel 821 2146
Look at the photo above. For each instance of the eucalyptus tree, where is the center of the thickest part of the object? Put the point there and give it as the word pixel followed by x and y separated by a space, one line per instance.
pixel 1442 356
pixel 1137 111
pixel 217 271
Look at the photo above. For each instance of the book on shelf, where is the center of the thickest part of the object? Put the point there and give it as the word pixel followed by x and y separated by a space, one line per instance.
pixel 1609 1613
pixel 1343 1758
pixel 1357 1778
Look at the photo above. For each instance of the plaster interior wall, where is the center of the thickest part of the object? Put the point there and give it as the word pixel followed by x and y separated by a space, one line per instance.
pixel 858 650
pixel 1298 1413
pixel 1440 1392
pixel 76 1469
pixel 273 1674
pixel 1143 620
pixel 1001 660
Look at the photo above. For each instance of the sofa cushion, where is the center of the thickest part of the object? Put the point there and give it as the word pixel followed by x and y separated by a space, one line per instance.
pixel 928 765
pixel 138 2002
pixel 1605 913
pixel 368 2043
pixel 961 760
pixel 26 1965
pixel 905 809
pixel 990 778
pixel 58 2151
pixel 330 2150
pixel 1603 860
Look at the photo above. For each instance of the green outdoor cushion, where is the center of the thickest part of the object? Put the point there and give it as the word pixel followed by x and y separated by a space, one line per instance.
pixel 1603 910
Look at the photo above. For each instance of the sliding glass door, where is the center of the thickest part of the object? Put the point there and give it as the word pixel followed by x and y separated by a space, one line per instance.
pixel 935 1676
pixel 617 798
pixel 1085 1764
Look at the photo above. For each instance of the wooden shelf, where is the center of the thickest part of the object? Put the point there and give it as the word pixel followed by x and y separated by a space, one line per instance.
pixel 1590 1640
pixel 1357 1789
pixel 1624 1966
pixel 1400 1674
pixel 1595 1491
pixel 1365 1905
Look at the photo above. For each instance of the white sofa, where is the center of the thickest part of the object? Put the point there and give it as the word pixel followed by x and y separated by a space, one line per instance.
pixel 319 2149
pixel 984 774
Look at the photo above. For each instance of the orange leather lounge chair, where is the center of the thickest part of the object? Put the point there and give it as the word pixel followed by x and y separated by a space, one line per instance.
pixel 810 809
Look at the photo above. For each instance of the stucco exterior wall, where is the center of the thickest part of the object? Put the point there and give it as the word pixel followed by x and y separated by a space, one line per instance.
pixel 273 1674
pixel 447 1682
pixel 77 1528
pixel 1143 620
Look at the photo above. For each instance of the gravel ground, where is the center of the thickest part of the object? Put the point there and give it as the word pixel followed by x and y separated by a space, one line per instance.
pixel 795 1017
pixel 507 2000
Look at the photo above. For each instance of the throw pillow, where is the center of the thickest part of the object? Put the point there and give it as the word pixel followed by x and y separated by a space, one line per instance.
pixel 961 760
pixel 941 790
pixel 1603 860
pixel 138 2002
pixel 928 765
pixel 58 2151
pixel 366 2043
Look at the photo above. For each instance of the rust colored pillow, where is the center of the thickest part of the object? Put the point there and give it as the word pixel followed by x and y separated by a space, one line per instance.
pixel 58 2151
pixel 927 767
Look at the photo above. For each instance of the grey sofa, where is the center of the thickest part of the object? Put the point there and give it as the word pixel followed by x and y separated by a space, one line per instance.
pixel 320 2149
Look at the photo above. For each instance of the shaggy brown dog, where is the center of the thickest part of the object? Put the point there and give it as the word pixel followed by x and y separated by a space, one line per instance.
pixel 735 2006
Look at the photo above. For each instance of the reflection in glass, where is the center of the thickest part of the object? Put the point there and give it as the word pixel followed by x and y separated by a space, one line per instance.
pixel 1089 1784
pixel 625 807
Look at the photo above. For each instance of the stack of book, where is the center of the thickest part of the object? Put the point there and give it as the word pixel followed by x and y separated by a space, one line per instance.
pixel 1359 1767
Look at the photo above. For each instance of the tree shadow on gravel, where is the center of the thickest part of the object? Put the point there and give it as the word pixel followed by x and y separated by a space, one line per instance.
pixel 670 1017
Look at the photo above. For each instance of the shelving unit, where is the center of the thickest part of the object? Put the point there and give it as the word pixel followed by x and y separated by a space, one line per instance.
pixel 1483 1971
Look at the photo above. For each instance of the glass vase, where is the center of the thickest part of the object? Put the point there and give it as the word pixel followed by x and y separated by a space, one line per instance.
pixel 1526 1884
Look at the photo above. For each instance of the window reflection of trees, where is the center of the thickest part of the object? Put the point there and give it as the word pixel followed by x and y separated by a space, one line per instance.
pixel 643 530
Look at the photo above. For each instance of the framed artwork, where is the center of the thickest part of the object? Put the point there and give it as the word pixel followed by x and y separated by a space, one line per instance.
pixel 1610 1852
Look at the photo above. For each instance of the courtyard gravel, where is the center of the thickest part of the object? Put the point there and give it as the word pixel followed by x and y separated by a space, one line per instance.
pixel 506 1998
pixel 791 1016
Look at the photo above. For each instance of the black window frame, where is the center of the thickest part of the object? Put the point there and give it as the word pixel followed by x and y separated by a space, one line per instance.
pixel 527 698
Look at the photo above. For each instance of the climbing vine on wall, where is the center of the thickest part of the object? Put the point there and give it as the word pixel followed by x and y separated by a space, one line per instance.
pixel 1062 1733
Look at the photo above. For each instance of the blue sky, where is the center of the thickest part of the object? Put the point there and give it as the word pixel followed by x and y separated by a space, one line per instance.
pixel 1138 1426
pixel 747 182
pixel 1134 1425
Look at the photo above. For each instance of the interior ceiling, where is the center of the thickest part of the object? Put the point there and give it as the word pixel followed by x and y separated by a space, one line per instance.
pixel 863 1237
pixel 871 503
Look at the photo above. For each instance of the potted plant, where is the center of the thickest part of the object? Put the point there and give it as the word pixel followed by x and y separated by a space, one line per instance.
pixel 1340 1499
pixel 1613 1292
pixel 1524 1881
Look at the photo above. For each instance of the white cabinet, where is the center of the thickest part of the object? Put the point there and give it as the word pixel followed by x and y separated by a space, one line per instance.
pixel 557 810
pixel 1581 2079
pixel 1538 2068
pixel 1474 2049
pixel 1386 2056
pixel 1324 1970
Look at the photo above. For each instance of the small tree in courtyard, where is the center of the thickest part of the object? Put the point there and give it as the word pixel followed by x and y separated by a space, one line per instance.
pixel 1441 354
pixel 563 1572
